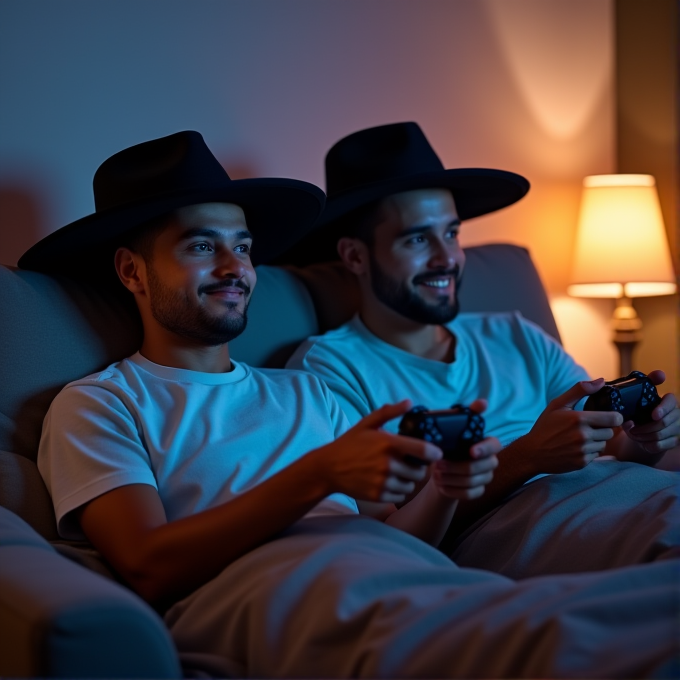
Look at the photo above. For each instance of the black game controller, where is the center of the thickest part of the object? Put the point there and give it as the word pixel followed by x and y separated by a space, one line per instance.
pixel 453 430
pixel 634 397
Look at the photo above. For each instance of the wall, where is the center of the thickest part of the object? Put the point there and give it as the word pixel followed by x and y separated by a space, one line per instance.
pixel 647 141
pixel 524 85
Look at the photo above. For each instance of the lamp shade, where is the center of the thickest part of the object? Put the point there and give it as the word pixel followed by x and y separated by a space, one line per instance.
pixel 621 245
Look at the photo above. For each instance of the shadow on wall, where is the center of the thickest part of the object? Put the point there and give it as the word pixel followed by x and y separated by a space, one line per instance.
pixel 21 221
pixel 22 216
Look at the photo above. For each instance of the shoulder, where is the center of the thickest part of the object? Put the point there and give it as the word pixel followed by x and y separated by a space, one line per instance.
pixel 107 388
pixel 334 342
pixel 348 332
pixel 114 375
pixel 499 325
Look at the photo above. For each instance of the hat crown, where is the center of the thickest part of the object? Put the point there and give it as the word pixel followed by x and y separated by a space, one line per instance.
pixel 173 165
pixel 379 154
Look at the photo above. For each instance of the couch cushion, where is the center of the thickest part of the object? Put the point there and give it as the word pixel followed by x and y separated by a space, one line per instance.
pixel 280 316
pixel 60 620
pixel 500 277
pixel 23 491
pixel 54 331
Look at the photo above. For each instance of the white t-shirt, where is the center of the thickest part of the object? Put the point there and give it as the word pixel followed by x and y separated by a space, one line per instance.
pixel 501 357
pixel 199 438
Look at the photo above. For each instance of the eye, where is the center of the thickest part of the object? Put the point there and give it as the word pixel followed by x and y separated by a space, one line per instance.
pixel 415 240
pixel 201 247
pixel 243 248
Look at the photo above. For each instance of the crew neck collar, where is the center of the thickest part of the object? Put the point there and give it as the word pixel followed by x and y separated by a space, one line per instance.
pixel 461 346
pixel 237 373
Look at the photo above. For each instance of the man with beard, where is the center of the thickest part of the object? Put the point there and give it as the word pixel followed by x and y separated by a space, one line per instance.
pixel 394 213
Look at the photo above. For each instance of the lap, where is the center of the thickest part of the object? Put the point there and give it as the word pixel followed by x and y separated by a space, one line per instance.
pixel 606 516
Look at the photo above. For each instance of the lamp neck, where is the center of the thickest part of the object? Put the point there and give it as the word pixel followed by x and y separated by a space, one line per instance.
pixel 627 327
pixel 625 317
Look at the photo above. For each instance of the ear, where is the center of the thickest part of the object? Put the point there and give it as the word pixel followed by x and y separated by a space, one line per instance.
pixel 354 254
pixel 131 270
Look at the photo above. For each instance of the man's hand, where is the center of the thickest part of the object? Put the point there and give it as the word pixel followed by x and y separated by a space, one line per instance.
pixel 368 463
pixel 465 480
pixel 564 440
pixel 655 438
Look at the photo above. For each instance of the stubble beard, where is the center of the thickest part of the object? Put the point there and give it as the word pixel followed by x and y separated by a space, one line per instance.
pixel 405 301
pixel 174 311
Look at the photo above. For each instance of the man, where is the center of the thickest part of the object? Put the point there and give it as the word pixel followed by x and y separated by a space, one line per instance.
pixel 229 492
pixel 394 213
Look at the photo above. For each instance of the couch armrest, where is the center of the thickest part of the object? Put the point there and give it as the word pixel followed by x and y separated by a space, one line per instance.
pixel 58 619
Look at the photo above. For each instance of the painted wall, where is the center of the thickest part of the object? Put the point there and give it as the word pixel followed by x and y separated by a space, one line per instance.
pixel 523 85
pixel 647 88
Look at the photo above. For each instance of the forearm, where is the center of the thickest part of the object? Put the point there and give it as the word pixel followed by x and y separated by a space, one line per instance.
pixel 166 562
pixel 426 516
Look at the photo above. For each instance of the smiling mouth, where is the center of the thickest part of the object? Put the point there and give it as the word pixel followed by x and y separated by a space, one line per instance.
pixel 237 288
pixel 437 283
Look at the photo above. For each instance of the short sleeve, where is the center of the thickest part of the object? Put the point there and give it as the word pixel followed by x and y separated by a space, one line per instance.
pixel 337 375
pixel 90 445
pixel 337 415
pixel 562 372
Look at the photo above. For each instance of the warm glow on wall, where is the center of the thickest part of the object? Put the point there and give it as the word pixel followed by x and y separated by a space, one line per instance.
pixel 621 245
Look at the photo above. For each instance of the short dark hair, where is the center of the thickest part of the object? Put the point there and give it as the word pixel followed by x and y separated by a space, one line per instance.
pixel 142 239
pixel 359 223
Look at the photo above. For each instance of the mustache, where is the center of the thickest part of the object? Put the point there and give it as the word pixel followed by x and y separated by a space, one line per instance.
pixel 224 285
pixel 453 272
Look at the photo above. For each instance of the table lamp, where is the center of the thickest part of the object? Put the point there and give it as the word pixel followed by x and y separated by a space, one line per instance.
pixel 621 251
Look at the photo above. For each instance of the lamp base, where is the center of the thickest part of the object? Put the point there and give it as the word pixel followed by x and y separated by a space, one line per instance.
pixel 627 327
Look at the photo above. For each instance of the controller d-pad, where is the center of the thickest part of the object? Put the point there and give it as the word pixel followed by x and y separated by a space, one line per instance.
pixel 477 428
pixel 648 394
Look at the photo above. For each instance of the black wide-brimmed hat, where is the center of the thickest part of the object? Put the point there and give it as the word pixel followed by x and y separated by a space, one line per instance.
pixel 146 181
pixel 376 162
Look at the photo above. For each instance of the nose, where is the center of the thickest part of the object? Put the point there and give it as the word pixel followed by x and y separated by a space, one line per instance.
pixel 445 254
pixel 228 265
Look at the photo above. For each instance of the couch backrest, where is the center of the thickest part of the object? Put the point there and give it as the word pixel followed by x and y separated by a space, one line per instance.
pixel 55 330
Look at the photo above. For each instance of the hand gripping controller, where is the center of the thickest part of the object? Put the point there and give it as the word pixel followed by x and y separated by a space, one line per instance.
pixel 453 430
pixel 634 397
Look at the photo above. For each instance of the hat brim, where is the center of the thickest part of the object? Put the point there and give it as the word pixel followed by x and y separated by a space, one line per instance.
pixel 278 212
pixel 476 191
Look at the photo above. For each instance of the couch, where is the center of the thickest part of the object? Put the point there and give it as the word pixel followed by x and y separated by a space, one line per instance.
pixel 63 613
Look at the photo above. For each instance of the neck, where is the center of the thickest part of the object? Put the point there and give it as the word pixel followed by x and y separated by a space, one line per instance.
pixel 429 341
pixel 166 349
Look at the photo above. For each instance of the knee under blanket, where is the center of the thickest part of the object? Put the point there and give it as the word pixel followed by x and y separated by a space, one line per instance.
pixel 605 516
pixel 340 597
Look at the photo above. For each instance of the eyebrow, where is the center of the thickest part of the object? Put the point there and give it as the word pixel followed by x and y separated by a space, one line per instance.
pixel 207 232
pixel 422 228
